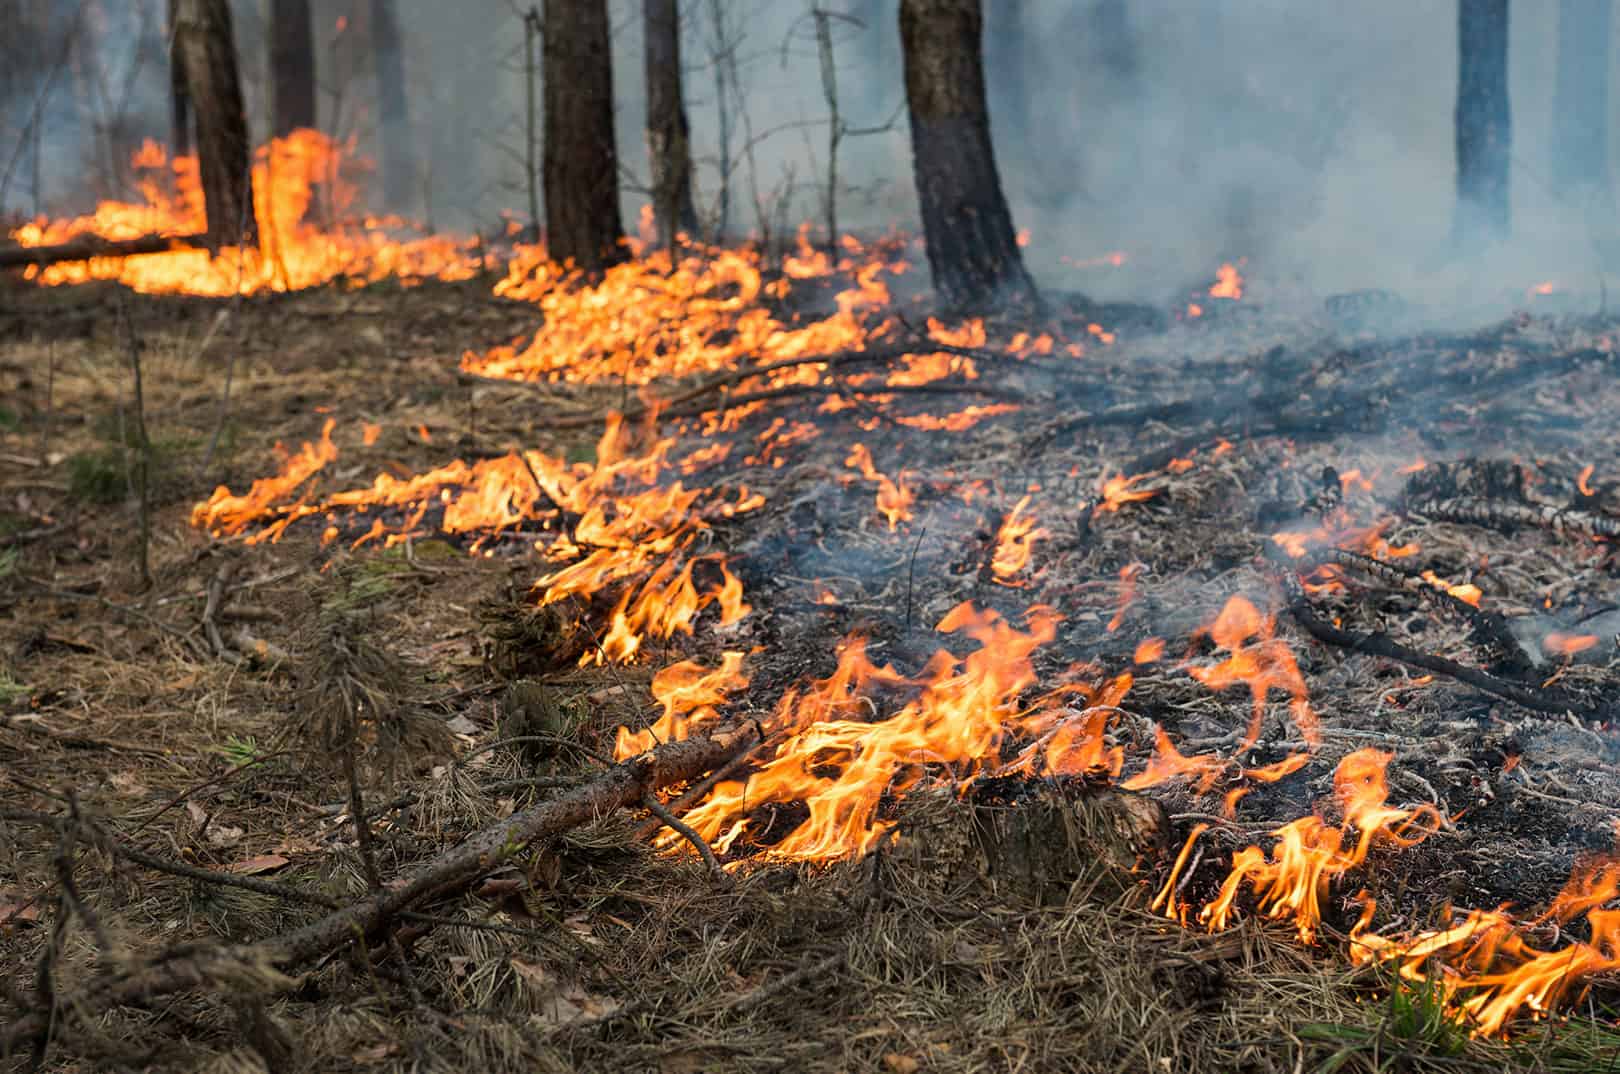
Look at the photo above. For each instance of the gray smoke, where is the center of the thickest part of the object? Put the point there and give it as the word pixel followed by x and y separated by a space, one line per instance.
pixel 1312 139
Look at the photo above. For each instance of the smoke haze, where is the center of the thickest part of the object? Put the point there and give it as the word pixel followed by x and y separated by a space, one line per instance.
pixel 1312 139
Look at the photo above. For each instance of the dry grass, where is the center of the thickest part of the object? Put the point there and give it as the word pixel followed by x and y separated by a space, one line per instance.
pixel 595 953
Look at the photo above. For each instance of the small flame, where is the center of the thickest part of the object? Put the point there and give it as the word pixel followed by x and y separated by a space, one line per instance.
pixel 1310 854
pixel 1260 661
pixel 1015 541
pixel 1117 491
pixel 894 499
pixel 1561 644
pixel 1228 283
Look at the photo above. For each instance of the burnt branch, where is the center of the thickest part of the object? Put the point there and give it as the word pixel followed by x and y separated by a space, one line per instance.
pixel 1380 644
pixel 1507 517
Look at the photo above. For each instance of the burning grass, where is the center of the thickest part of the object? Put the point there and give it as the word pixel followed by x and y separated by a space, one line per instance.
pixel 928 618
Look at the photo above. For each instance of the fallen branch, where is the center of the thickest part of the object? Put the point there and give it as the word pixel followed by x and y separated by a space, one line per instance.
pixel 1499 515
pixel 1382 645
pixel 83 249
pixel 260 965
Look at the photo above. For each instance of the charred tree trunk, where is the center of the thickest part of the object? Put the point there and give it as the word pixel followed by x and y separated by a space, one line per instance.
pixel 581 165
pixel 668 137
pixel 205 55
pixel 179 101
pixel 1580 150
pixel 388 58
pixel 292 67
pixel 1484 125
pixel 972 250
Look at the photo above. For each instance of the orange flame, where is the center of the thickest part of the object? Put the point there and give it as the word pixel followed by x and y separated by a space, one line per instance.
pixel 840 763
pixel 1117 491
pixel 1260 661
pixel 1015 541
pixel 894 499
pixel 297 180
pixel 1310 854
pixel 1228 283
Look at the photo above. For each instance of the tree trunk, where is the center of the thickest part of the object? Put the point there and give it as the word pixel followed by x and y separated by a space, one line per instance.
pixel 292 67
pixel 972 250
pixel 179 102
pixel 1580 150
pixel 205 54
pixel 388 57
pixel 668 137
pixel 1484 125
pixel 581 165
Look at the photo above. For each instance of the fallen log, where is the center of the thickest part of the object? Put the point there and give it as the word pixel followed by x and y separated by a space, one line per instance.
pixel 83 249
pixel 262 965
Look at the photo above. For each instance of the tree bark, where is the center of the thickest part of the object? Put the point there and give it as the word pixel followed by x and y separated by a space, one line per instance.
pixel 668 136
pixel 1580 150
pixel 179 101
pixel 1484 124
pixel 581 165
pixel 205 54
pixel 972 250
pixel 292 67
pixel 393 114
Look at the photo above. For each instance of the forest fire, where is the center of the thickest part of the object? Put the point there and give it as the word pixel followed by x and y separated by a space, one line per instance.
pixel 309 225
pixel 925 618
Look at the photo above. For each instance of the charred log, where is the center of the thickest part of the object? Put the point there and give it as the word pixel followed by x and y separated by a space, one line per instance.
pixel 972 250
pixel 84 249
pixel 581 163
pixel 1508 517
pixel 204 52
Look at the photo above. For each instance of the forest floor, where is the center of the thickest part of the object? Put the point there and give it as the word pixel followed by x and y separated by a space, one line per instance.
pixel 178 718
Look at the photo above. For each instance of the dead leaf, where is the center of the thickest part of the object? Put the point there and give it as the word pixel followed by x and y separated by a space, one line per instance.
pixel 18 913
pixel 461 725
pixel 223 835
pixel 264 863
pixel 127 784
pixel 560 1003
pixel 686 1061
pixel 196 812
pixel 901 1064
pixel 376 1053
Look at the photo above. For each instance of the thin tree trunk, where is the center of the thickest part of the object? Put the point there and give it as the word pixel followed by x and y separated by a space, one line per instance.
pixel 388 57
pixel 972 250
pixel 1580 151
pixel 668 136
pixel 1484 124
pixel 205 52
pixel 179 99
pixel 581 165
pixel 292 67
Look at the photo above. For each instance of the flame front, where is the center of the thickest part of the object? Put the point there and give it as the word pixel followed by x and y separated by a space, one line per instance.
pixel 304 198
